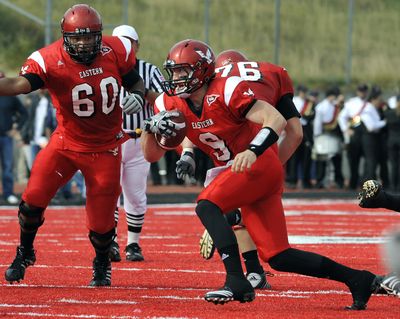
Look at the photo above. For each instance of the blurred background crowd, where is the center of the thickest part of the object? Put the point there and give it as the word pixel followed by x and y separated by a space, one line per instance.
pixel 346 141
pixel 351 132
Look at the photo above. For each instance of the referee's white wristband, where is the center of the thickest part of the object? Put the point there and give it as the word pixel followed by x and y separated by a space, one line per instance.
pixel 264 139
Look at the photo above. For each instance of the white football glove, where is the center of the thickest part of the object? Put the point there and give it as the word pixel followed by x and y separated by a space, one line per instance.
pixel 163 124
pixel 186 165
pixel 132 103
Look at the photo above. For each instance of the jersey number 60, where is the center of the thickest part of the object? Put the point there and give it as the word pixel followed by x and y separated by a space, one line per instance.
pixel 84 107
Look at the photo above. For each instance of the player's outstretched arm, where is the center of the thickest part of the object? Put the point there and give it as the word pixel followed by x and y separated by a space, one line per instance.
pixel 14 86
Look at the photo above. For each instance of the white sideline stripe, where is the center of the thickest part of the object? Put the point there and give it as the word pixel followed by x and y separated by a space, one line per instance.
pixel 298 239
pixel 291 212
pixel 314 201
pixel 5 305
pixel 328 212
pixel 110 302
pixel 175 213
pixel 184 205
pixel 55 315
pixel 172 297
pixel 129 288
pixel 160 237
pixel 8 217
pixel 118 268
pixel 56 207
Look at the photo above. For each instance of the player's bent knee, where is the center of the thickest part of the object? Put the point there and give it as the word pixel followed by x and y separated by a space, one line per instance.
pixel 101 242
pixel 279 261
pixel 205 207
pixel 30 217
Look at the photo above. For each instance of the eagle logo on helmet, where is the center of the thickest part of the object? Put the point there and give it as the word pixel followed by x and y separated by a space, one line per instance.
pixel 207 56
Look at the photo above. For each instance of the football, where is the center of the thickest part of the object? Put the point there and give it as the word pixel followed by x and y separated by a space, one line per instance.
pixel 170 143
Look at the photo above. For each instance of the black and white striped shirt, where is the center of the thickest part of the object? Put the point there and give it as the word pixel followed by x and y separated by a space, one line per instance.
pixel 152 78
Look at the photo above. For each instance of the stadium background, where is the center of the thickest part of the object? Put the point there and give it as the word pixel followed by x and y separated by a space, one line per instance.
pixel 314 46
pixel 320 42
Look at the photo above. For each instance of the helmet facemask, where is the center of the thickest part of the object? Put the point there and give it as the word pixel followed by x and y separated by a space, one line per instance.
pixel 184 85
pixel 81 28
pixel 190 65
pixel 83 45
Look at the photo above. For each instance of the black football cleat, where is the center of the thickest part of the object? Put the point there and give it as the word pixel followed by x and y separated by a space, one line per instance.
pixel 361 288
pixel 23 260
pixel 259 280
pixel 235 289
pixel 134 252
pixel 114 252
pixel 101 273
pixel 391 284
pixel 371 195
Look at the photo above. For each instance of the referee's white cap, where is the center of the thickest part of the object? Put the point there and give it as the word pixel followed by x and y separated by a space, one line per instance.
pixel 126 31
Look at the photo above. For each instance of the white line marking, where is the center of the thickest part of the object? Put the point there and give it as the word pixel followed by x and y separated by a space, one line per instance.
pixel 175 213
pixel 112 302
pixel 5 305
pixel 55 315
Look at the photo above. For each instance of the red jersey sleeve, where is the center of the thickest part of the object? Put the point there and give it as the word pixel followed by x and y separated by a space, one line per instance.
pixel 286 82
pixel 159 104
pixel 35 64
pixel 238 96
pixel 126 58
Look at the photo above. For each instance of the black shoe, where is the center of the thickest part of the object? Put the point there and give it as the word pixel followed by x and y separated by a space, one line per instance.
pixel 235 289
pixel 371 195
pixel 361 288
pixel 259 280
pixel 134 252
pixel 101 273
pixel 391 284
pixel 23 260
pixel 114 252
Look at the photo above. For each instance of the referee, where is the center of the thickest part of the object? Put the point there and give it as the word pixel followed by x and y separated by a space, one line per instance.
pixel 135 168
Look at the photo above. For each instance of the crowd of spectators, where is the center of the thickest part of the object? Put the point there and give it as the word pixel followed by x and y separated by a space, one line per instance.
pixel 345 142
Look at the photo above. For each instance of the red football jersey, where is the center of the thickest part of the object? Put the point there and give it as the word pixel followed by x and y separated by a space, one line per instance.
pixel 268 81
pixel 221 130
pixel 86 96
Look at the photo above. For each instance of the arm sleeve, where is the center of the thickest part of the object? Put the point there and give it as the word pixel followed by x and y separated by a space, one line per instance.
pixel 286 107
pixel 35 81
pixel 34 70
pixel 130 78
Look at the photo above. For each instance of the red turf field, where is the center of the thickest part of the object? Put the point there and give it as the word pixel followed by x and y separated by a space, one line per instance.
pixel 172 280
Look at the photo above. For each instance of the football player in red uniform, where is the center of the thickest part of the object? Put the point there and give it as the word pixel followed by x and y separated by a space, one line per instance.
pixel 272 84
pixel 83 73
pixel 228 122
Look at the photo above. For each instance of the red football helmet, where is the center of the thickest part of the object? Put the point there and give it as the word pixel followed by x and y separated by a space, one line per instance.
pixel 194 56
pixel 229 56
pixel 81 28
